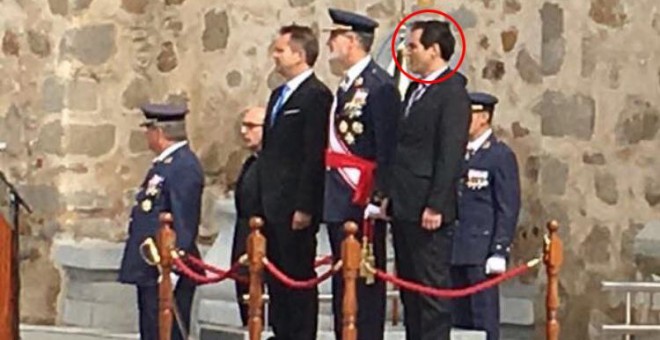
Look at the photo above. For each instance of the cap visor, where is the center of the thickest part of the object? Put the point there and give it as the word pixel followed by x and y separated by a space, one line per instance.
pixel 337 27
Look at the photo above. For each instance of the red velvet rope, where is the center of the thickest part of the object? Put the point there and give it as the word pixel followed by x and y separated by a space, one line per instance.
pixel 291 283
pixel 324 261
pixel 198 263
pixel 452 293
pixel 183 268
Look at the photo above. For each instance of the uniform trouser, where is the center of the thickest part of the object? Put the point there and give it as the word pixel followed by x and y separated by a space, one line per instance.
pixel 241 233
pixel 148 309
pixel 371 298
pixel 294 312
pixel 423 256
pixel 480 311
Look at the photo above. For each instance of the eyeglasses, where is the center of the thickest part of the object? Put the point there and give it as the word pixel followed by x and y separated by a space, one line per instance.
pixel 251 125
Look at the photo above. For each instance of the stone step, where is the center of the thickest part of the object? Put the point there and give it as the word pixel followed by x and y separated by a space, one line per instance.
pixel 218 332
pixel 32 332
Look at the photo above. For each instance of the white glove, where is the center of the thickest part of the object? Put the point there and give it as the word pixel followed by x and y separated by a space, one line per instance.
pixel 372 211
pixel 174 278
pixel 495 264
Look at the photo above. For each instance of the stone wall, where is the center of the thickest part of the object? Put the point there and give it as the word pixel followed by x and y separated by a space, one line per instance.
pixel 578 83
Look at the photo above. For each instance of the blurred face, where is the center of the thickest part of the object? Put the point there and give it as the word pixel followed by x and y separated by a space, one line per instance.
pixel 286 59
pixel 420 59
pixel 154 135
pixel 340 44
pixel 479 123
pixel 252 128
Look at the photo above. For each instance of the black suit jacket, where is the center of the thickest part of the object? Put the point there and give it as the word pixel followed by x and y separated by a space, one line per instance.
pixel 431 143
pixel 291 164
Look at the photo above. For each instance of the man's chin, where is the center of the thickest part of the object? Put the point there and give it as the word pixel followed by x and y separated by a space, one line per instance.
pixel 336 67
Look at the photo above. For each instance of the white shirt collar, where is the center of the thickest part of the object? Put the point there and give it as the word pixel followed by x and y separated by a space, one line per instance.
pixel 170 150
pixel 355 71
pixel 294 83
pixel 477 143
pixel 435 74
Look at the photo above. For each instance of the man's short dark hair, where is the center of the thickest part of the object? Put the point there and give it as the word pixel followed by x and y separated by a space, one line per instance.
pixel 366 39
pixel 437 32
pixel 304 37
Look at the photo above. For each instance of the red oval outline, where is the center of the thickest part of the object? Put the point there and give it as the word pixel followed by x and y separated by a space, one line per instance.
pixel 463 47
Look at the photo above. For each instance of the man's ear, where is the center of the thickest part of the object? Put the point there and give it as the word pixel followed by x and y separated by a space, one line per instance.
pixel 437 50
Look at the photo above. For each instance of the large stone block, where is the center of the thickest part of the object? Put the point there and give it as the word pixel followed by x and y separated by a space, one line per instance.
pixel 554 175
pixel 83 95
pixel 88 254
pixel 563 116
pixel 10 44
pixel 465 17
pixel 528 68
pixel 136 93
pixel 59 7
pixel 652 191
pixel 91 140
pixel 50 138
pixel 137 142
pixel 216 30
pixel 638 121
pixel 608 12
pixel 52 95
pixel 553 43
pixel 92 45
pixel 606 188
pixel 117 317
pixel 87 201
pixel 77 313
pixel 45 199
pixel 134 6
pixel 509 39
pixel 112 293
pixel 12 130
pixel 39 43
pixel 96 227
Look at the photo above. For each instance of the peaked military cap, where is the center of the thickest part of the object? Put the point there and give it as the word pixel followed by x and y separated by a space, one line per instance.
pixel 350 21
pixel 155 113
pixel 482 101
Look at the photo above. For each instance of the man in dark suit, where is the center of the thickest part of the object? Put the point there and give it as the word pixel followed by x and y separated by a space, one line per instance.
pixel 488 207
pixel 290 173
pixel 246 197
pixel 431 139
pixel 173 184
pixel 361 131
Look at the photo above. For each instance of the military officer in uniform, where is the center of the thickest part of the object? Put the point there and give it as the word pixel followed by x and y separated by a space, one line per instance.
pixel 174 183
pixel 488 207
pixel 360 148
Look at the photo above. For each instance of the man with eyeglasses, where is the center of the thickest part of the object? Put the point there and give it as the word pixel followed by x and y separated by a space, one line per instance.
pixel 246 197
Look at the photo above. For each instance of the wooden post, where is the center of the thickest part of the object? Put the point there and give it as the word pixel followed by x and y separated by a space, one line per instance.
pixel 553 258
pixel 256 249
pixel 8 281
pixel 350 255
pixel 165 240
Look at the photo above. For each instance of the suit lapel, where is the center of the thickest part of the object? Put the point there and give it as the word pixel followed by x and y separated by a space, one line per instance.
pixel 296 95
pixel 427 94
pixel 269 107
pixel 293 98
pixel 482 150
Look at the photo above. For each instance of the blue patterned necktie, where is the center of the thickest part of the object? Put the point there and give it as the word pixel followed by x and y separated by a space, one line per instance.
pixel 278 104
pixel 414 97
